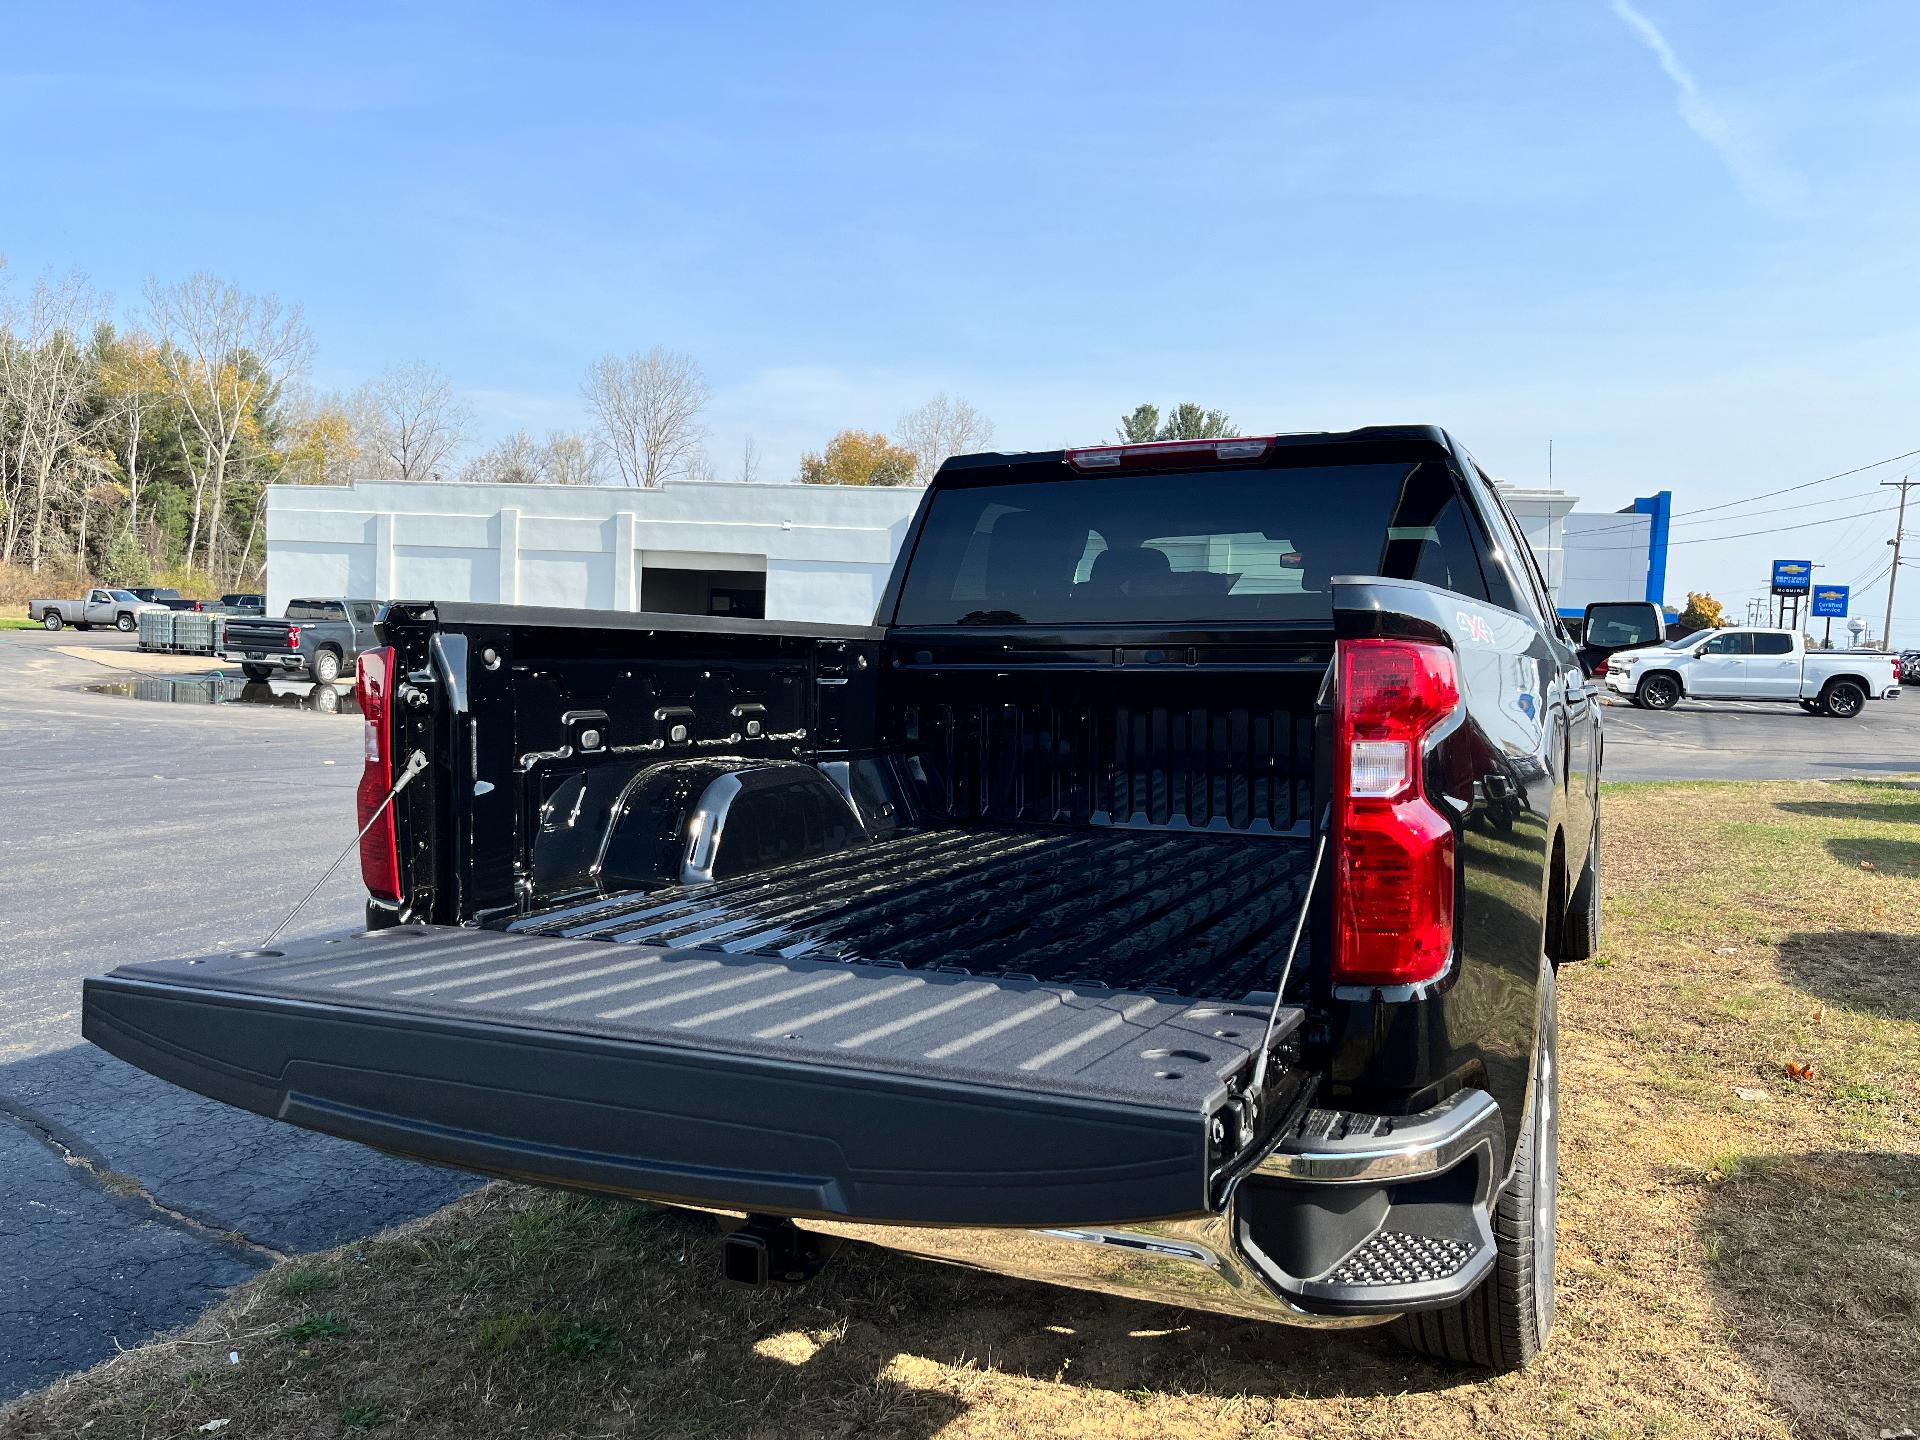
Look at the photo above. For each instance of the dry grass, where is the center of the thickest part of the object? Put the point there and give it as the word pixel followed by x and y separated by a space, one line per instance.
pixel 57 580
pixel 1739 1249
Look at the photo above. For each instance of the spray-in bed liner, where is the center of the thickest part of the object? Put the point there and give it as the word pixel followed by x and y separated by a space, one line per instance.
pixel 1197 915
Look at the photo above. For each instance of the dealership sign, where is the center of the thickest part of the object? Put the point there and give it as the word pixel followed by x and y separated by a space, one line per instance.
pixel 1831 601
pixel 1792 577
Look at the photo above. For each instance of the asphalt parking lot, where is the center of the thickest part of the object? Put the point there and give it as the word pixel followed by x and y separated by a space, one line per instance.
pixel 139 830
pixel 134 831
pixel 1742 740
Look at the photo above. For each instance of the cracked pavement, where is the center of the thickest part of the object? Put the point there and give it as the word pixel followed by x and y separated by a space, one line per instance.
pixel 132 830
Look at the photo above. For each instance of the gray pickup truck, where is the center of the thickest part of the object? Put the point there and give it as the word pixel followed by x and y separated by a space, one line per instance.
pixel 317 638
pixel 118 608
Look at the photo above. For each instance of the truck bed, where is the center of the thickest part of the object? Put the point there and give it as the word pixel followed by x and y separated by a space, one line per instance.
pixel 1188 914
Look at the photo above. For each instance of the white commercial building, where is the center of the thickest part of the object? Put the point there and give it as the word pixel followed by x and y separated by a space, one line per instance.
pixel 785 552
pixel 1595 555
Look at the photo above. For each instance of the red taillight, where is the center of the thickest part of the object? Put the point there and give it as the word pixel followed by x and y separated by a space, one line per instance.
pixel 1393 851
pixel 1600 669
pixel 293 637
pixel 379 855
pixel 1161 452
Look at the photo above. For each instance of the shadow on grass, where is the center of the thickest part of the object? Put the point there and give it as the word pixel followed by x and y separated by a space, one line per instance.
pixel 1890 857
pixel 1867 802
pixel 1871 970
pixel 1813 1260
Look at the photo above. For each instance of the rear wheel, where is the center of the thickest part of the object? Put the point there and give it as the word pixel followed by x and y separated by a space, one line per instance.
pixel 1659 692
pixel 52 620
pixel 1580 935
pixel 1843 699
pixel 125 622
pixel 326 666
pixel 1504 1324
pixel 257 672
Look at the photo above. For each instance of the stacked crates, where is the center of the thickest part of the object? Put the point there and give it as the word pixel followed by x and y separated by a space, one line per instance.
pixel 156 629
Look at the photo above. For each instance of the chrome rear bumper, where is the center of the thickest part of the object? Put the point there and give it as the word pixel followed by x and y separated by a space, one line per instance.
pixel 1441 1165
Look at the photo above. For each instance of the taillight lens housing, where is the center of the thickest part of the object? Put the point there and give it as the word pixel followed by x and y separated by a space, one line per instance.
pixel 293 637
pixel 1600 669
pixel 379 852
pixel 1393 851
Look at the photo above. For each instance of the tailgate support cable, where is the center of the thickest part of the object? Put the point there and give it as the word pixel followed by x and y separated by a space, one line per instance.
pixel 416 762
pixel 1259 1080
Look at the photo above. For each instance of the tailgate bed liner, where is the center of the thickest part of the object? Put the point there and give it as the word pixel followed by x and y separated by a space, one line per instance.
pixel 787 1085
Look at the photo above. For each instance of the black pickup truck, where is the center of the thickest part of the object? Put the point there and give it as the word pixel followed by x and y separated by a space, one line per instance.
pixel 316 638
pixel 1163 897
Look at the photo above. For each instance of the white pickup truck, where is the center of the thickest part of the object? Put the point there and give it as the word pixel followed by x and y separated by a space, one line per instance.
pixel 118 608
pixel 1745 663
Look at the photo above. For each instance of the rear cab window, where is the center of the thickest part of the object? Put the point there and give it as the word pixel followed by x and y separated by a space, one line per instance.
pixel 1773 644
pixel 1225 544
pixel 315 610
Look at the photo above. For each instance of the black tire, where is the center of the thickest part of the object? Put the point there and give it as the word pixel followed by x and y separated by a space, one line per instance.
pixel 1580 934
pixel 1504 1323
pixel 326 666
pixel 125 623
pixel 53 620
pixel 1659 692
pixel 257 672
pixel 1843 699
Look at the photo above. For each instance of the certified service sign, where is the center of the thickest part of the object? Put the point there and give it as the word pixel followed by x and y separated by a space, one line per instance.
pixel 1831 601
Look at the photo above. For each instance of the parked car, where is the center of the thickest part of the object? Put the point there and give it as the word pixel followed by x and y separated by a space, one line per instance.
pixel 246 603
pixel 1612 626
pixel 1748 663
pixel 118 608
pixel 318 638
pixel 1173 876
pixel 171 599
pixel 1910 665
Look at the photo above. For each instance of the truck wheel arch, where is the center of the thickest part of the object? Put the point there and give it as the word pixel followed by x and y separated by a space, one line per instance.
pixel 1679 684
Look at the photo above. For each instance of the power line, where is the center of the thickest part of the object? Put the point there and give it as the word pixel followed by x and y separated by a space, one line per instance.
pixel 1748 534
pixel 1768 494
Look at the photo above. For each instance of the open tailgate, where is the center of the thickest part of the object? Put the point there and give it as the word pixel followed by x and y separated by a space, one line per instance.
pixel 741 1082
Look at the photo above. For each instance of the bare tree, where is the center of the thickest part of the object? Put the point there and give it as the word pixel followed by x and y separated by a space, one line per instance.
pixel 132 385
pixel 563 458
pixel 648 407
pixel 749 462
pixel 223 351
pixel 568 458
pixel 45 373
pixel 513 460
pixel 943 426
pixel 411 422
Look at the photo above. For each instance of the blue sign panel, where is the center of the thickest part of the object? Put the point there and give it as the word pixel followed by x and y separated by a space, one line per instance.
pixel 1830 600
pixel 1792 577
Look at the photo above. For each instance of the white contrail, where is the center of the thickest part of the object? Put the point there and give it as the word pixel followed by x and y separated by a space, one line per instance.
pixel 1759 180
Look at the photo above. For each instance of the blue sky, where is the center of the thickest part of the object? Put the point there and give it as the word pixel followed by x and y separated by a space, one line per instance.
pixel 1678 238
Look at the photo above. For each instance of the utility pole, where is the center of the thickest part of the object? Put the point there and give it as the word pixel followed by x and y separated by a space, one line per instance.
pixel 1893 575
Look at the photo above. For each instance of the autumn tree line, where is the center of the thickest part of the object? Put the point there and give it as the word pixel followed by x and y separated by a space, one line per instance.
pixel 139 445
